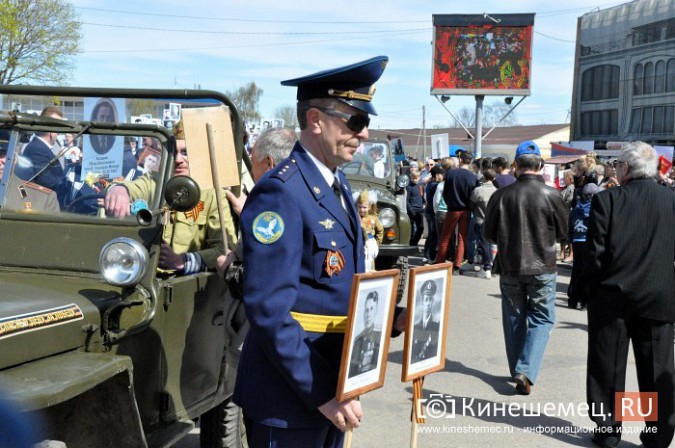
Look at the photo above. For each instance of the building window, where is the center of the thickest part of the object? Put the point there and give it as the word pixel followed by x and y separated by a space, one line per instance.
pixel 659 77
pixel 659 115
pixel 635 121
pixel 646 126
pixel 600 83
pixel 648 81
pixel 637 79
pixel 669 120
pixel 600 122
pixel 670 76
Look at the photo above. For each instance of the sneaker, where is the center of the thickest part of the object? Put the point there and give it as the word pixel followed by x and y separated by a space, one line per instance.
pixel 476 267
pixel 484 274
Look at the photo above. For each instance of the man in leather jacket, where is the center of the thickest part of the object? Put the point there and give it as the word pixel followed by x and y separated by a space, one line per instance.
pixel 525 220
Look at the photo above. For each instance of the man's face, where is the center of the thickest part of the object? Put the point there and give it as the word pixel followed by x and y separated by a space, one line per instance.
pixel 428 303
pixel 337 143
pixel 369 313
pixel 259 167
pixel 621 171
pixel 180 163
pixel 105 113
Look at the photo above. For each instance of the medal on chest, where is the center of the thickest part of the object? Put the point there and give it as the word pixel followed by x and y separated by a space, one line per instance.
pixel 334 262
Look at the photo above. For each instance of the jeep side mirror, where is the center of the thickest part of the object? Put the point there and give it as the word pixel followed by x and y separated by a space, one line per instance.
pixel 402 181
pixel 181 193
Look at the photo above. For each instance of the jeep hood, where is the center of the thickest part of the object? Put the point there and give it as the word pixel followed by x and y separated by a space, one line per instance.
pixel 42 315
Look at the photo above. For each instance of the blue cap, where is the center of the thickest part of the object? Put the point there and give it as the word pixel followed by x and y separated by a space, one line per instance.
pixel 352 84
pixel 528 147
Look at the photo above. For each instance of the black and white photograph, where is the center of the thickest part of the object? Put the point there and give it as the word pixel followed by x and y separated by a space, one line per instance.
pixel 426 328
pixel 367 334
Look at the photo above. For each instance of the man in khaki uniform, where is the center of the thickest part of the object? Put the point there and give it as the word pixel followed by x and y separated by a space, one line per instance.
pixel 26 196
pixel 193 242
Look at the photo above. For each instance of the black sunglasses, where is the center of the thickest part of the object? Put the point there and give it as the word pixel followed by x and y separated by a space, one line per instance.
pixel 355 123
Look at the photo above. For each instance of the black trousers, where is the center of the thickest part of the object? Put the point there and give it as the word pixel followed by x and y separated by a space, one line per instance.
pixel 610 329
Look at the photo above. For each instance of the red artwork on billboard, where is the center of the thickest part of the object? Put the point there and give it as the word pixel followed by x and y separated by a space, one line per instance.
pixel 482 59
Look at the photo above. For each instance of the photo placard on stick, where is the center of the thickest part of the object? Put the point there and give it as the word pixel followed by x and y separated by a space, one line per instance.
pixel 364 353
pixel 427 323
pixel 194 125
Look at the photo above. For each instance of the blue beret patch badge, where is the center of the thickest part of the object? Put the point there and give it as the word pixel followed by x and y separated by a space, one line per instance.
pixel 268 227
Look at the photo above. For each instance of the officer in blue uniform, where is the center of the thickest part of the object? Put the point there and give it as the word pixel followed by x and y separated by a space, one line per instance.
pixel 302 246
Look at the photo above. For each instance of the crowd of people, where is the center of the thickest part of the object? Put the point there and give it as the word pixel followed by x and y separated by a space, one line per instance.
pixel 303 238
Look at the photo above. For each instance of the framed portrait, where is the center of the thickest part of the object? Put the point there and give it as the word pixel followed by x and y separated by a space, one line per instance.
pixel 427 323
pixel 371 312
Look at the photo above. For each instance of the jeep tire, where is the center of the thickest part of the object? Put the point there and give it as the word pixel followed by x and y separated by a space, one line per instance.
pixel 223 427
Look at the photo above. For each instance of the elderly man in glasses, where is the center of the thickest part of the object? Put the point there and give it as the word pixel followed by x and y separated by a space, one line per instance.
pixel 302 246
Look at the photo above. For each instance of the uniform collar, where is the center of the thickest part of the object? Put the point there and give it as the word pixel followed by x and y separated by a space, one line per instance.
pixel 326 172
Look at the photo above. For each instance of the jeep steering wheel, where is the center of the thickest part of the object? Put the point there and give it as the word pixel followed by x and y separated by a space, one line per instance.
pixel 72 205
pixel 356 168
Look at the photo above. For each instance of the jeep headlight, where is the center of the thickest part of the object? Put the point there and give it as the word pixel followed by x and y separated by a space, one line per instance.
pixel 387 217
pixel 123 261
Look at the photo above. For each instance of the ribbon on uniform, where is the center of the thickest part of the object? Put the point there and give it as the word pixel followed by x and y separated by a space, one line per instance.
pixel 194 213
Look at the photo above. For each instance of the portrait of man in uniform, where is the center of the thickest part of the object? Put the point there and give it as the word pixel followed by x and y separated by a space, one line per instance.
pixel 104 111
pixel 427 326
pixel 366 350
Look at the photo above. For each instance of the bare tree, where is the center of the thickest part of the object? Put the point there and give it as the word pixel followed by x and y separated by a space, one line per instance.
pixel 492 113
pixel 246 99
pixel 38 39
pixel 288 114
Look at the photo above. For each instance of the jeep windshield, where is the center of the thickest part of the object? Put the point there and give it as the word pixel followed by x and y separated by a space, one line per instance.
pixel 54 168
pixel 372 159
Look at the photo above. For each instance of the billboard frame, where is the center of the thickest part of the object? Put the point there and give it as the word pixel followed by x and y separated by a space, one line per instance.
pixel 489 23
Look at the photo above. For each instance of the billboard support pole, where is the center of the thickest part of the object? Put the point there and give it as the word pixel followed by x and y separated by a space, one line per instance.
pixel 479 126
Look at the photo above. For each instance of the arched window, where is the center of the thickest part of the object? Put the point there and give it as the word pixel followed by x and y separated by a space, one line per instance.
pixel 670 76
pixel 600 83
pixel 637 79
pixel 660 77
pixel 648 81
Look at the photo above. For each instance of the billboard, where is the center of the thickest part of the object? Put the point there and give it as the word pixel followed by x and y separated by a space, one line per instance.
pixel 479 54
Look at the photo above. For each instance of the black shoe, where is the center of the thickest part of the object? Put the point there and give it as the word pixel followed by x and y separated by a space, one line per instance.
pixel 523 385
pixel 605 440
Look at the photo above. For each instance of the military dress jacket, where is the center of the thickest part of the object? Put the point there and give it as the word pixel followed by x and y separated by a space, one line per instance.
pixel 197 230
pixel 425 340
pixel 300 254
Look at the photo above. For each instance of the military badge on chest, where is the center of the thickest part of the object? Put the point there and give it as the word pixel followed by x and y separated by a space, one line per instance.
pixel 334 262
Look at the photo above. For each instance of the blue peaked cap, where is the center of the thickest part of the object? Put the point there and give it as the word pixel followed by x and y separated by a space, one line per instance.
pixel 352 84
pixel 528 147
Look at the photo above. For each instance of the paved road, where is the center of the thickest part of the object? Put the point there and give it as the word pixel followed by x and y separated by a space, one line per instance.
pixel 476 373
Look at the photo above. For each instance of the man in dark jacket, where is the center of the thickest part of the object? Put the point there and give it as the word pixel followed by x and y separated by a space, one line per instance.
pixel 629 269
pixel 525 220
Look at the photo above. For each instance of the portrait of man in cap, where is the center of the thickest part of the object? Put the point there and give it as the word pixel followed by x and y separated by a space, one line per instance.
pixel 366 349
pixel 427 327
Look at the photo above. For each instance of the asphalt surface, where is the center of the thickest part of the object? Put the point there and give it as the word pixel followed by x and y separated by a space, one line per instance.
pixel 476 380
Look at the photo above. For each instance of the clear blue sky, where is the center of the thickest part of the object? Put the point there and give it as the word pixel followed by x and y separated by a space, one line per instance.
pixel 224 45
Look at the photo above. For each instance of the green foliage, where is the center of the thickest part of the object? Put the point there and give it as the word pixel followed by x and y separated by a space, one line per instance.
pixel 288 114
pixel 246 99
pixel 38 39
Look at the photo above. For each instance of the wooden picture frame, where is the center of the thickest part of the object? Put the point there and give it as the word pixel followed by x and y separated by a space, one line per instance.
pixel 366 343
pixel 427 320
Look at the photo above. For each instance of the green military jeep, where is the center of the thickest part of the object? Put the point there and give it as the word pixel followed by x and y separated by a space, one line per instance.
pixel 97 347
pixel 374 169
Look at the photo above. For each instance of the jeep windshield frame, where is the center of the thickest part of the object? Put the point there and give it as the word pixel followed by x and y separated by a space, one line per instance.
pixel 71 242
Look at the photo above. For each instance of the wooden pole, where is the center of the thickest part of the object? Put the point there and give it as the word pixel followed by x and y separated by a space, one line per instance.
pixel 349 432
pixel 216 184
pixel 416 419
